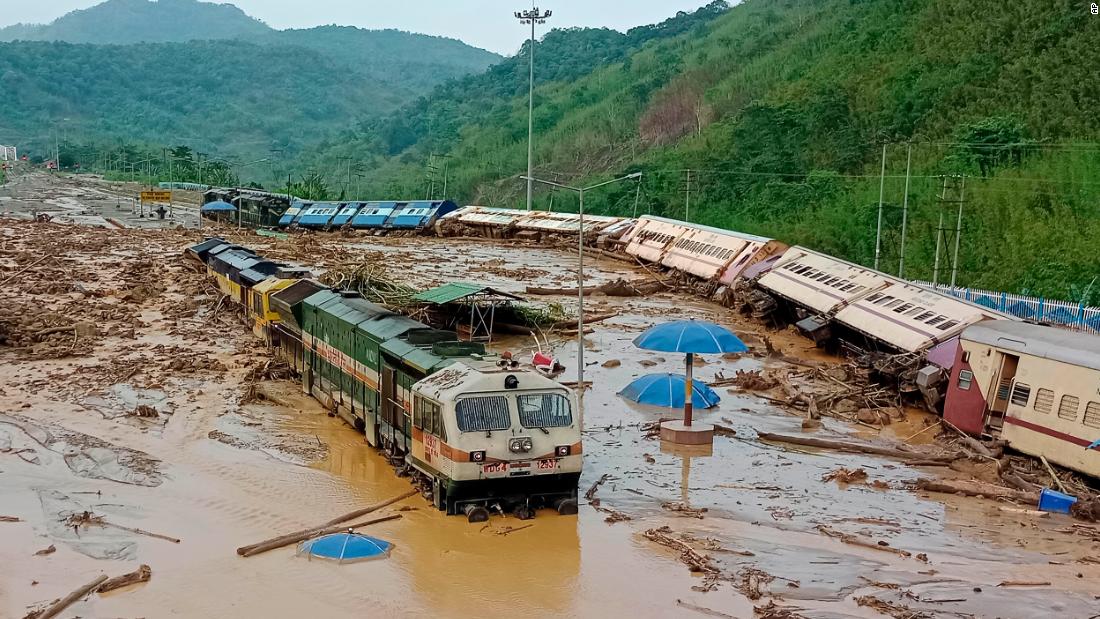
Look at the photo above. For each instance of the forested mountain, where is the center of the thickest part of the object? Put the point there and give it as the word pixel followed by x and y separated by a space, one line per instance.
pixel 122 22
pixel 780 109
pixel 215 78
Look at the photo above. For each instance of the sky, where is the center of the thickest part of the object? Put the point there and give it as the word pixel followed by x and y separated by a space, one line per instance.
pixel 488 24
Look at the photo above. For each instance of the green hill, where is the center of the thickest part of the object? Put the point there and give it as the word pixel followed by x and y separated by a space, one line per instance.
pixel 781 108
pixel 121 22
pixel 211 77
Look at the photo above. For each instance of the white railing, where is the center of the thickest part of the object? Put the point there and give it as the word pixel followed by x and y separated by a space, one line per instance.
pixel 1061 313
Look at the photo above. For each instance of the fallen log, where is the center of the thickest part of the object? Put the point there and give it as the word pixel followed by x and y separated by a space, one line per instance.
pixel 977 488
pixel 1024 583
pixel 141 574
pixel 244 551
pixel 55 609
pixel 855 540
pixel 10 519
pixel 303 535
pixel 140 532
pixel 588 320
pixel 852 447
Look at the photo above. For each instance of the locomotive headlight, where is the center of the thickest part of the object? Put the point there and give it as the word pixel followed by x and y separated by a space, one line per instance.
pixel 477 456
pixel 563 450
pixel 520 445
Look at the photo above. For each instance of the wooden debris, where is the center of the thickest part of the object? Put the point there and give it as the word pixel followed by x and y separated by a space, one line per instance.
pixel 851 447
pixel 55 609
pixel 49 550
pixel 846 476
pixel 142 574
pixel 700 609
pixel 1053 475
pixel 682 508
pixel 978 489
pixel 87 518
pixel 1024 583
pixel 856 540
pixel 771 610
pixel 304 534
pixel 889 608
pixel 695 561
pixel 590 495
pixel 10 519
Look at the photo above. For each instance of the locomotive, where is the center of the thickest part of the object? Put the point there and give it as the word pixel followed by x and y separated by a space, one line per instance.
pixel 477 432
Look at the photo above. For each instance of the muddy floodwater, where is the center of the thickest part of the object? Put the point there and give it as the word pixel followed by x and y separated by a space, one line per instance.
pixel 218 474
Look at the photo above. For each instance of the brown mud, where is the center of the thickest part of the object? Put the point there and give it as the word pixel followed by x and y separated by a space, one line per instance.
pixel 777 533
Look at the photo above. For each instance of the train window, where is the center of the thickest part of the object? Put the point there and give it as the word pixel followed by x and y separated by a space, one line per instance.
pixel 947 325
pixel 925 316
pixel 544 410
pixel 483 414
pixel 937 320
pixel 859 289
pixel 1068 408
pixel 1021 393
pixel 874 297
pixel 966 377
pixel 1044 401
pixel 1092 415
pixel 893 303
pixel 884 299
pixel 903 308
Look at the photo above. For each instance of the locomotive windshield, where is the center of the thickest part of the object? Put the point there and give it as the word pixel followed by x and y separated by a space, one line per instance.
pixel 483 414
pixel 544 410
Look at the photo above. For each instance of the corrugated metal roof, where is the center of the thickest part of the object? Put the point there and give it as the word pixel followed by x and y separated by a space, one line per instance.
pixel 454 291
pixel 1064 345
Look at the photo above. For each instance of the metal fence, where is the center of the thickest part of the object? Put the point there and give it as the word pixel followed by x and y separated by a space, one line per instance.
pixel 1061 313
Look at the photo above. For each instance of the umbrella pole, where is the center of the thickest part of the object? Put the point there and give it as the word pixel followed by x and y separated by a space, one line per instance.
pixel 688 389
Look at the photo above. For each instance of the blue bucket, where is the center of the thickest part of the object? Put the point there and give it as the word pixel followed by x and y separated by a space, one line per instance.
pixel 1053 501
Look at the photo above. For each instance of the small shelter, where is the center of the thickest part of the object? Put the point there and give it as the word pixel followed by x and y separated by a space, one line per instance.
pixel 476 300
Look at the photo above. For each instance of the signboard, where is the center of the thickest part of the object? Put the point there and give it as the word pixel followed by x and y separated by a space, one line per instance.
pixel 156 196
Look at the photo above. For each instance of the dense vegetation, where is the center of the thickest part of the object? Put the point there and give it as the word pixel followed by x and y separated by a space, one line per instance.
pixel 120 22
pixel 781 108
pixel 263 89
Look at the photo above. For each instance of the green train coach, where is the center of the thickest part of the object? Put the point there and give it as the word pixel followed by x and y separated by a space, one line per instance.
pixel 477 432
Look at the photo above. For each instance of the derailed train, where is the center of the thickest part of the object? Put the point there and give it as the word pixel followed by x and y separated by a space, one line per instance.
pixel 476 431
pixel 1036 387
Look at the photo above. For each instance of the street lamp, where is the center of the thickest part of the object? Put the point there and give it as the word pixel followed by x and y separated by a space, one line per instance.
pixel 531 17
pixel 580 269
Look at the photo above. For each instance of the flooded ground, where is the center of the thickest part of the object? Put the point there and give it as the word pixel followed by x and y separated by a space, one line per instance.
pixel 218 474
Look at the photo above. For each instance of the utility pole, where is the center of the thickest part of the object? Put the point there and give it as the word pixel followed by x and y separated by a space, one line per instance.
pixel 637 198
pixel 939 244
pixel 687 196
pixel 881 196
pixel 533 17
pixel 905 209
pixel 958 231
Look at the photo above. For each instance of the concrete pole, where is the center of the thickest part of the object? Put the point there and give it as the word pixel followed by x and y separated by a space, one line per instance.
pixel 905 210
pixel 580 309
pixel 689 366
pixel 881 196
pixel 531 123
pixel 958 231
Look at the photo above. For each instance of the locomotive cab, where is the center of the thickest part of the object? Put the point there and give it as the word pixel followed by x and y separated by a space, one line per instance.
pixel 489 436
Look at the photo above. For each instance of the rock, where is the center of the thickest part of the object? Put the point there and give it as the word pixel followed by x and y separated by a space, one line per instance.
pixel 646 363
pixel 847 406
pixel 811 424
pixel 612 363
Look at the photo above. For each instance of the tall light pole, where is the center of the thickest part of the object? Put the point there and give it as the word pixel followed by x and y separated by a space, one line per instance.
pixel 534 16
pixel 580 270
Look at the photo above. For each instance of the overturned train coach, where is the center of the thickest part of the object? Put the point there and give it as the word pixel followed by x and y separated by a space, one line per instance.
pixel 477 432
pixel 908 332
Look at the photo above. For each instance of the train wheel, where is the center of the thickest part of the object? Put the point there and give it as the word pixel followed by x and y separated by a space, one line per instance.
pixel 524 512
pixel 476 513
pixel 566 507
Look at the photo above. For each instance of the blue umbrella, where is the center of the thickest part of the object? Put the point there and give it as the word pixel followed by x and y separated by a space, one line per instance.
pixel 218 206
pixel 691 337
pixel 1095 444
pixel 342 547
pixel 669 390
